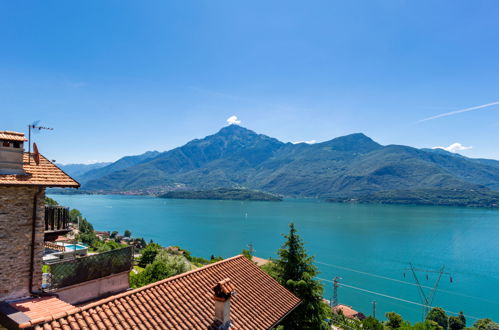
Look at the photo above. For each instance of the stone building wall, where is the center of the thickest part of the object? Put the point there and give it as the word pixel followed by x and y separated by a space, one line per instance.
pixel 16 219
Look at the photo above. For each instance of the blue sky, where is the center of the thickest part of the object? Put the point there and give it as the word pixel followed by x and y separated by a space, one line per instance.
pixel 116 78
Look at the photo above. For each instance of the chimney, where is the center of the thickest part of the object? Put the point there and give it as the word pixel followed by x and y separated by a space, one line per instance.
pixel 11 152
pixel 224 290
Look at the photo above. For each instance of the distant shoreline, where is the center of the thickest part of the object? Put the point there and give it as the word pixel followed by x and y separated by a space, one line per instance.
pixel 223 194
pixel 478 198
pixel 335 200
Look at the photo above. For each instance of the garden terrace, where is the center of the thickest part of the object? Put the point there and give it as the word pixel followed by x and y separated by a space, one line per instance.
pixel 83 269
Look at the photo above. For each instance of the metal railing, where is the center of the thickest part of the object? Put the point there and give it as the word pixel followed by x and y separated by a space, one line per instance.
pixel 53 246
pixel 83 269
pixel 56 218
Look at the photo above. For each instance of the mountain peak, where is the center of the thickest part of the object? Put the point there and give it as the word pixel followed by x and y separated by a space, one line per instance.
pixel 235 129
pixel 358 142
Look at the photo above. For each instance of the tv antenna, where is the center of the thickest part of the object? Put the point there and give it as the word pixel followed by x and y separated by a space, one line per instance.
pixel 427 298
pixel 36 128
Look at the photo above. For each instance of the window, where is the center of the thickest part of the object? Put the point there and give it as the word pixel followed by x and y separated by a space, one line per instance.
pixel 17 144
pixel 6 144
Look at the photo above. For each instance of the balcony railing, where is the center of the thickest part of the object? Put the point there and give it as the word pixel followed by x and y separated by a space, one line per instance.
pixel 65 273
pixel 56 221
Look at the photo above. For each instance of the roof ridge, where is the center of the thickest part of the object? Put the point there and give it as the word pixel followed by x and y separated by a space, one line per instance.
pixel 168 279
pixel 126 293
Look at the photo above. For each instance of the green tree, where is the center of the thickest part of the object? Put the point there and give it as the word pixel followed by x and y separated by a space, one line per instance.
pixel 457 322
pixel 438 315
pixel 271 269
pixel 247 254
pixel 486 324
pixel 163 266
pixel 370 323
pixel 297 273
pixel 113 234
pixel 74 215
pixel 50 201
pixel 87 234
pixel 427 325
pixel 108 246
pixel 149 254
pixel 394 320
pixel 177 264
pixel 127 233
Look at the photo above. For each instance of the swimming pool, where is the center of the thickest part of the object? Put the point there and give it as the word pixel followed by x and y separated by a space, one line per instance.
pixel 72 247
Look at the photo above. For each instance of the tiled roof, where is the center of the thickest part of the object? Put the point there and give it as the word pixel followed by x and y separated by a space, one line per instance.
pixel 259 261
pixel 44 174
pixel 12 136
pixel 185 302
pixel 42 307
pixel 348 311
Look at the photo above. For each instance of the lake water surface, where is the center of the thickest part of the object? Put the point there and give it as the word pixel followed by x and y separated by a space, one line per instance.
pixel 350 241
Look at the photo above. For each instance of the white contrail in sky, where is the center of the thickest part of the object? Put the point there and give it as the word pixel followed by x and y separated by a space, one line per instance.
pixel 478 107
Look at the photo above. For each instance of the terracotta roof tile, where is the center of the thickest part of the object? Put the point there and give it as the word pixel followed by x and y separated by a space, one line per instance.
pixel 186 302
pixel 40 308
pixel 259 261
pixel 45 174
pixel 348 311
pixel 12 136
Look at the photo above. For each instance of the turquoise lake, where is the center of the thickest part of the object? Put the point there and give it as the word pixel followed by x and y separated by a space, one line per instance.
pixel 349 241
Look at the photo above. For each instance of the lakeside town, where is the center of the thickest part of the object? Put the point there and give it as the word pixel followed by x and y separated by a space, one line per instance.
pixel 72 276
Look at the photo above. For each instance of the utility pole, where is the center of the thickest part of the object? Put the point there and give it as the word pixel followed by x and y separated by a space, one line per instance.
pixel 374 308
pixel 251 249
pixel 336 285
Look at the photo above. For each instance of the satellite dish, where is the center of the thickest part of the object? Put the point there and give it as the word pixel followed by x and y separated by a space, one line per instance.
pixel 36 154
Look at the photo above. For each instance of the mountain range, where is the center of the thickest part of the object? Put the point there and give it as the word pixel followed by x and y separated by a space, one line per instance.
pixel 77 170
pixel 345 167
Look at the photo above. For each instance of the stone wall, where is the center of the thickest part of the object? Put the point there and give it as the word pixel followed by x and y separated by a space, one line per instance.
pixel 16 220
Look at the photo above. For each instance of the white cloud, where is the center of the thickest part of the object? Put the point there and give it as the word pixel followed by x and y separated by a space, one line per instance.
pixel 233 120
pixel 455 147
pixel 307 142
pixel 478 107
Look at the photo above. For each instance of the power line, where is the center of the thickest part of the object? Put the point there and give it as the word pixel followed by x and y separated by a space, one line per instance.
pixel 366 273
pixel 405 282
pixel 392 297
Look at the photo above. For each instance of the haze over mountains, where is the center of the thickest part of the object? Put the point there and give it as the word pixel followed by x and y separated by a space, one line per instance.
pixel 348 166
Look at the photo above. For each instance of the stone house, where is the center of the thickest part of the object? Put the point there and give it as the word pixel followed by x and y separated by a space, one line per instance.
pixel 233 293
pixel 23 179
